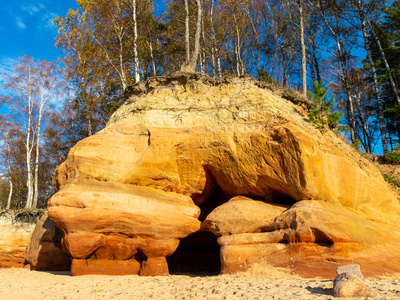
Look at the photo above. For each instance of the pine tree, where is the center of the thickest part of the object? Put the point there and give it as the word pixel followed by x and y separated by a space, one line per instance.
pixel 322 112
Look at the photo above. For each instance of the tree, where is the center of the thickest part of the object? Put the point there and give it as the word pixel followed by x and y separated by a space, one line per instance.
pixel 31 86
pixel 332 13
pixel 322 108
pixel 360 8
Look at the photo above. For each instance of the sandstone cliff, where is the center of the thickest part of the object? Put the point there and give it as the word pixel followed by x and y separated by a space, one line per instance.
pixel 15 233
pixel 129 194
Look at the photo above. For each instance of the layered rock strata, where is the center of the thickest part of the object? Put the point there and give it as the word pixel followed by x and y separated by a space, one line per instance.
pixel 131 192
pixel 15 236
pixel 44 250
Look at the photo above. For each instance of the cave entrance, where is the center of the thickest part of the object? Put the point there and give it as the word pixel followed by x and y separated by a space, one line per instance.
pixel 196 254
pixel 199 253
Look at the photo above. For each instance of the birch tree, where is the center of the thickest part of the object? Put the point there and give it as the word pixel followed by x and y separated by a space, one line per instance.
pixel 22 85
pixel 30 87
pixel 48 83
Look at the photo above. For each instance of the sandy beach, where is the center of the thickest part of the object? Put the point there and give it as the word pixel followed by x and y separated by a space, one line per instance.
pixel 25 284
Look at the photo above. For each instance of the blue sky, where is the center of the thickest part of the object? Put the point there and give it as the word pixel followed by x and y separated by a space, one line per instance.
pixel 26 28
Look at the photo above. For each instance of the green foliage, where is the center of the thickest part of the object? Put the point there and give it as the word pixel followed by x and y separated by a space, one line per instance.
pixel 392 179
pixel 356 145
pixel 263 75
pixel 321 113
pixel 393 156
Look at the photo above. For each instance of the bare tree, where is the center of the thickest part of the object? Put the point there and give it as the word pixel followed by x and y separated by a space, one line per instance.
pixel 32 85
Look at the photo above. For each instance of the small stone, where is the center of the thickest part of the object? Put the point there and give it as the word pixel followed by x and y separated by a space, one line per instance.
pixel 353 270
pixel 347 285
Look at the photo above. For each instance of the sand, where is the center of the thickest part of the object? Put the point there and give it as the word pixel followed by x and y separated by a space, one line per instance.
pixel 25 284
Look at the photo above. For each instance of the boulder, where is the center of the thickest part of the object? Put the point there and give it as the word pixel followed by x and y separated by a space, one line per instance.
pixel 242 215
pixel 349 283
pixel 351 270
pixel 44 250
pixel 105 221
pixel 184 141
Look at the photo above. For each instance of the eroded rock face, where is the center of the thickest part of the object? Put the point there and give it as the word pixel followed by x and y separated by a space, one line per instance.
pixel 243 215
pixel 130 191
pixel 44 250
pixel 105 221
pixel 14 238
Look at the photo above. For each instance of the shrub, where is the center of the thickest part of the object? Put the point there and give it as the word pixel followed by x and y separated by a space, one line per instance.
pixel 391 179
pixel 393 156
pixel 321 112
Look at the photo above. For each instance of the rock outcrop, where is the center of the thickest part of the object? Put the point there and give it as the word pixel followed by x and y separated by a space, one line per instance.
pixel 132 191
pixel 44 250
pixel 15 234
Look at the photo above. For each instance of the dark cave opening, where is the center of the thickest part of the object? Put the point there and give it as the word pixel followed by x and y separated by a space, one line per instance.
pixel 196 254
pixel 282 198
pixel 199 253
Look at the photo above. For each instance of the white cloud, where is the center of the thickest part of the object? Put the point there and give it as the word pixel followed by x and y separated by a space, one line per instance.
pixel 6 67
pixel 33 9
pixel 48 19
pixel 19 23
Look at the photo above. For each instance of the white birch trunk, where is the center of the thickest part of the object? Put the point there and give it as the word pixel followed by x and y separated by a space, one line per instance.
pixel 29 181
pixel 9 194
pixel 135 36
pixel 36 179
pixel 187 32
pixel 303 50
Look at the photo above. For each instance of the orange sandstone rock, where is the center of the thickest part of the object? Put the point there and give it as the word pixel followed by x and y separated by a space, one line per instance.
pixel 44 250
pixel 130 191
pixel 14 239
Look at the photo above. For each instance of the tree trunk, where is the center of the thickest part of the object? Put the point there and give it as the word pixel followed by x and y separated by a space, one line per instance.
pixel 36 179
pixel 237 47
pixel 381 118
pixel 303 50
pixel 187 32
pixel 312 69
pixel 219 66
pixel 135 35
pixel 153 63
pixel 350 107
pixel 196 51
pixel 213 41
pixel 9 194
pixel 364 124
pixel 121 66
pixel 343 64
pixel 203 52
pixel 29 181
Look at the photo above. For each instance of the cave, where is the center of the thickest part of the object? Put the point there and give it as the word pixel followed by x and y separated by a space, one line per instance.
pixel 199 253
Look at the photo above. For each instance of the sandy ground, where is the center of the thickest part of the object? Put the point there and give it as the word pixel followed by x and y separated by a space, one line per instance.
pixel 25 284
